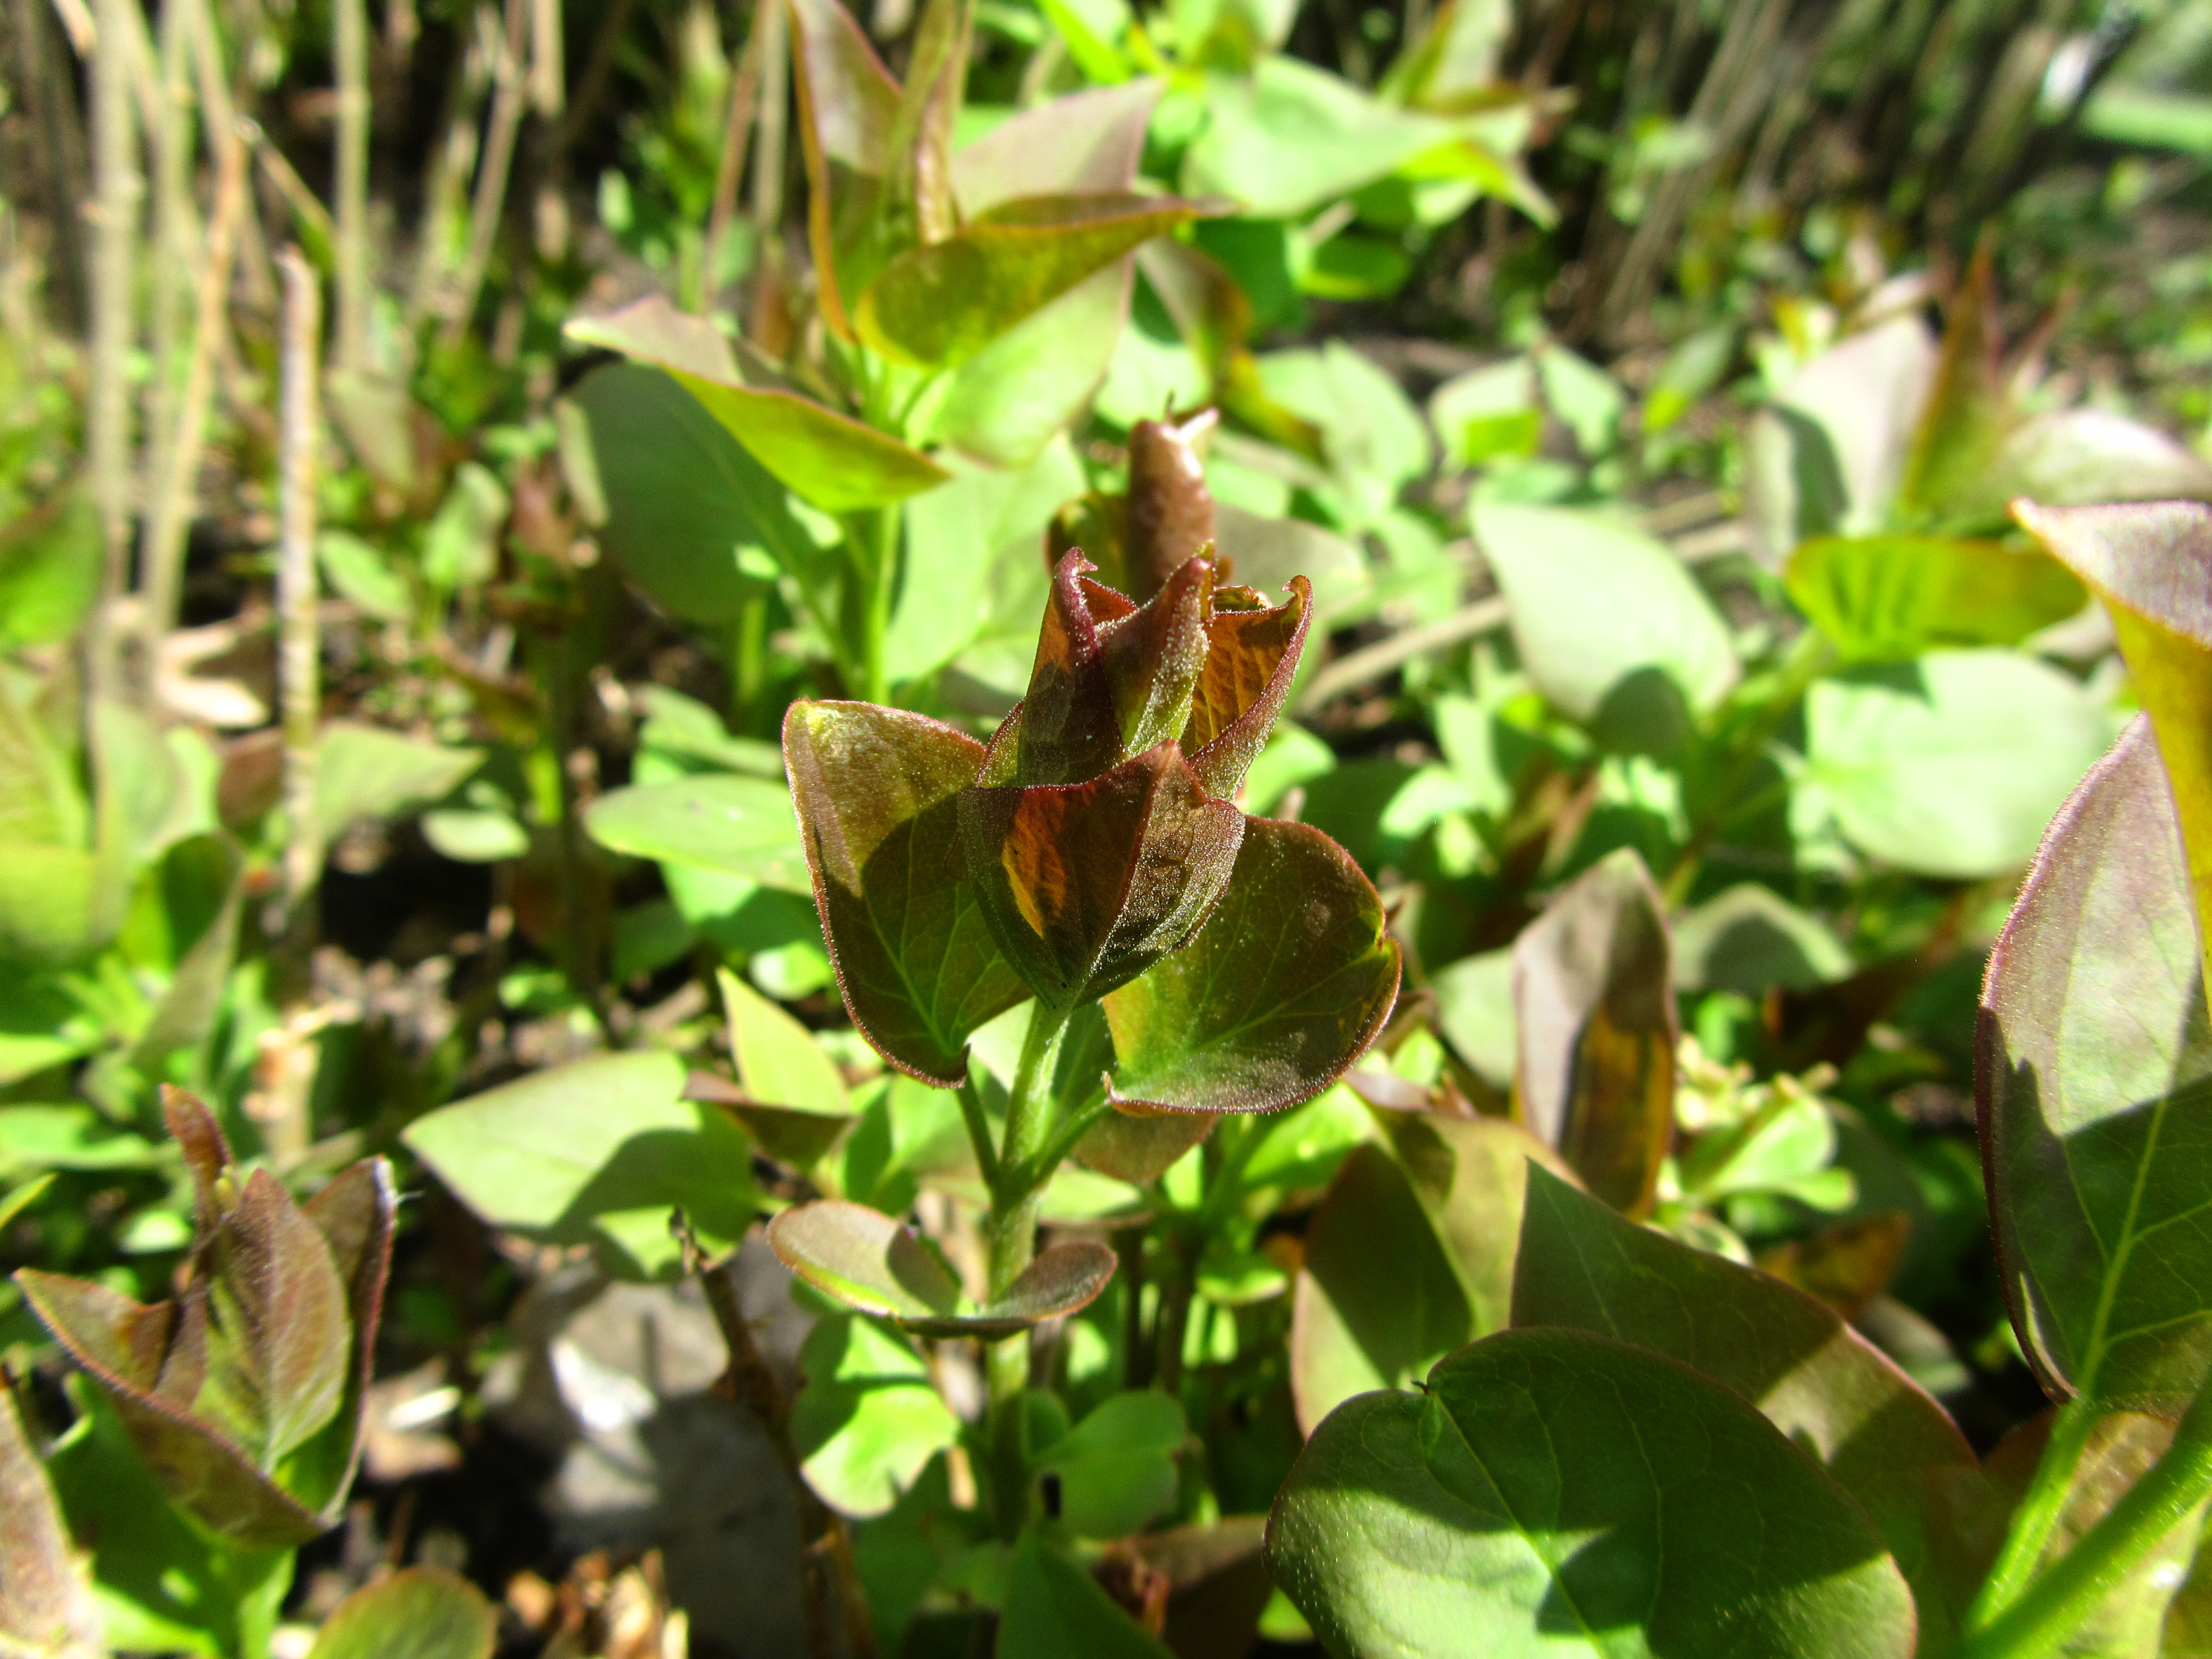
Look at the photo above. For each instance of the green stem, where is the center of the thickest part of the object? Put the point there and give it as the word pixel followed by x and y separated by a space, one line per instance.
pixel 971 1097
pixel 2054 1607
pixel 1011 1228
pixel 748 661
pixel 2038 1514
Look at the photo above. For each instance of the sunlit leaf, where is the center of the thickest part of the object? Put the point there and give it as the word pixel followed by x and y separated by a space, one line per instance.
pixel 1592 601
pixel 2077 457
pixel 942 302
pixel 1409 1256
pixel 1291 136
pixel 1554 1484
pixel 1824 1386
pixel 1964 423
pixel 720 820
pixel 1283 987
pixel 674 496
pixel 778 1061
pixel 1890 597
pixel 2093 1057
pixel 1824 458
pixel 870 1262
pixel 365 771
pixel 2152 566
pixel 1951 767
pixel 418 1613
pixel 868 1418
pixel 837 463
pixel 1594 1001
pixel 1116 1469
pixel 567 1154
pixel 875 792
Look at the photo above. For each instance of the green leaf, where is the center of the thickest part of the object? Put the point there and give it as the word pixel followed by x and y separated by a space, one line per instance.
pixel 1055 1610
pixel 876 791
pixel 1951 767
pixel 1291 136
pixel 602 1149
pixel 1594 1002
pixel 1557 1491
pixel 1968 412
pixel 1283 987
pixel 1488 412
pixel 1749 940
pixel 1825 457
pixel 67 1137
pixel 2092 1077
pixel 1375 439
pixel 1409 1256
pixel 367 772
pixel 673 497
pixel 1592 600
pixel 475 836
pixel 1824 1386
pixel 835 462
pixel 721 821
pixel 942 303
pixel 418 1613
pixel 867 1418
pixel 1885 598
pixel 868 1261
pixel 2079 457
pixel 2151 565
pixel 1116 1469
pixel 778 1059
pixel 356 572
pixel 50 565
pixel 956 536
pixel 460 545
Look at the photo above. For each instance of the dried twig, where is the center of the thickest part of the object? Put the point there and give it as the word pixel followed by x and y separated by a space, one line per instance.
pixel 351 248
pixel 736 134
pixel 298 644
pixel 161 553
pixel 510 95
pixel 117 187
pixel 834 1596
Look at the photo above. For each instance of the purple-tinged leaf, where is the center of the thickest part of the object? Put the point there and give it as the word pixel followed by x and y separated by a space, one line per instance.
pixel 1170 516
pixel 875 790
pixel 1595 1006
pixel 1140 1145
pixel 1289 980
pixel 46 1605
pixel 1251 658
pixel 940 304
pixel 204 1471
pixel 1086 885
pixel 871 1262
pixel 1835 1394
pixel 848 105
pixel 2152 565
pixel 2093 1073
pixel 278 1334
pixel 837 463
pixel 1086 142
